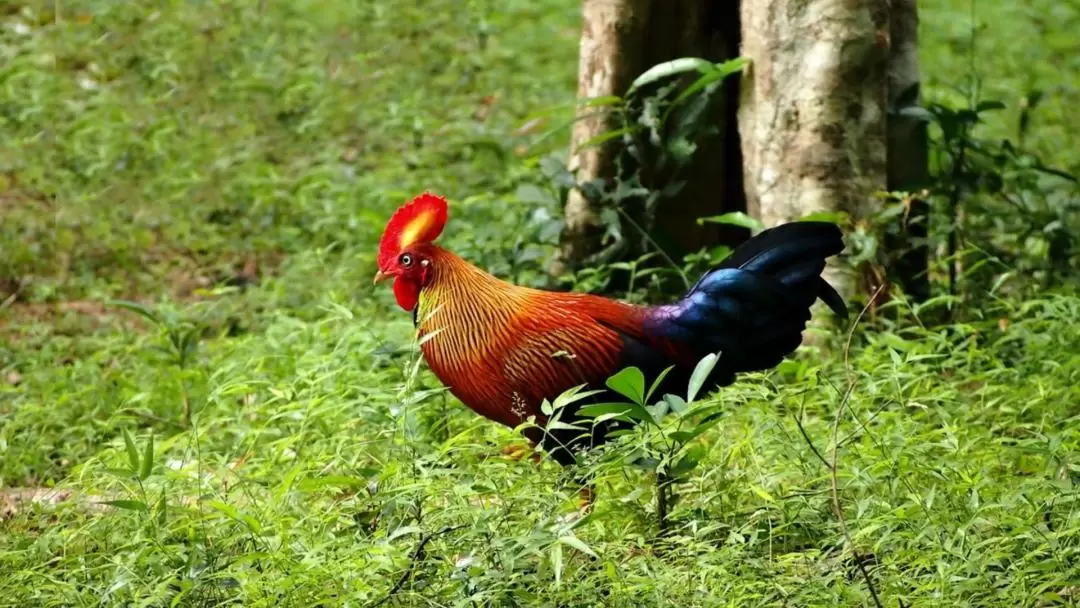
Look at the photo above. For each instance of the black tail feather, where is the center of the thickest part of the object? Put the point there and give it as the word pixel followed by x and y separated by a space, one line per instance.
pixel 755 305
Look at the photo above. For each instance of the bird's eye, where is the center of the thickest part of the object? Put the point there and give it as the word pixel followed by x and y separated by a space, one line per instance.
pixel 406 260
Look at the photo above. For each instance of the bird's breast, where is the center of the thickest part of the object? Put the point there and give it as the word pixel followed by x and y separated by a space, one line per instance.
pixel 464 348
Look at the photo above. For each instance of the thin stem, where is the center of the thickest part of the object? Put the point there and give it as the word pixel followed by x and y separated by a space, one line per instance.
pixel 655 245
pixel 416 554
pixel 834 464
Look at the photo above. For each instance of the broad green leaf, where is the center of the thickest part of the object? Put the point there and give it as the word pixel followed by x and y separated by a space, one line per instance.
pixel 685 464
pixel 675 403
pixel 132 452
pixel 600 409
pixel 701 373
pixel 658 410
pixel 531 193
pixel 670 68
pixel 613 416
pixel 403 530
pixel 578 544
pixel 629 383
pixel 1000 280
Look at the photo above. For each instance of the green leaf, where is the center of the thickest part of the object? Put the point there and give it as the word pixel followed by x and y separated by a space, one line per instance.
pixel 694 433
pixel 578 544
pixel 555 425
pixel 701 373
pixel 656 383
pixel 331 481
pixel 731 66
pixel 670 68
pixel 235 514
pixel 130 505
pixel 546 408
pixel 990 104
pixel 604 137
pixel 734 218
pixel 835 217
pixel 686 464
pixel 675 403
pixel 613 416
pixel 572 395
pixel 629 383
pixel 139 309
pixel 148 458
pixel 132 452
pixel 917 113
pixel 603 100
pixel 402 531
pixel 658 411
pixel 162 509
pixel 762 493
pixel 531 193
pixel 599 409
pixel 719 72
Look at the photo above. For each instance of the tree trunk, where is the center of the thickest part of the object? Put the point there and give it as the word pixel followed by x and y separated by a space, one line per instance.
pixel 812 131
pixel 610 58
pixel 620 40
pixel 908 154
pixel 812 114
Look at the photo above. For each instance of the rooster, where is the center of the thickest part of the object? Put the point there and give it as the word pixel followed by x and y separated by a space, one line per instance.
pixel 503 349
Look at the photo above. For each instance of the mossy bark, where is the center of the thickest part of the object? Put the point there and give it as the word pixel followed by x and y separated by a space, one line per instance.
pixel 812 114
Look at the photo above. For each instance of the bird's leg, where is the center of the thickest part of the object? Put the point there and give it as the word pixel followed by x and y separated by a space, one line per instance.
pixel 586 498
pixel 517 452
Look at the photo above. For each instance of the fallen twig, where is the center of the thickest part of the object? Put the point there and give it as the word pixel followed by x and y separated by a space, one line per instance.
pixel 417 552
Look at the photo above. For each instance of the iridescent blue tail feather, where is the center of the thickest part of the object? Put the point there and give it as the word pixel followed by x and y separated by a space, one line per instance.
pixel 755 305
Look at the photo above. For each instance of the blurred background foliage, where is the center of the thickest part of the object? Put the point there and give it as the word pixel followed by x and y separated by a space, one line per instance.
pixel 256 430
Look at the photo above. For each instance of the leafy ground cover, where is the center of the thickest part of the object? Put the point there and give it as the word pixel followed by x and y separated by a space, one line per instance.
pixel 256 431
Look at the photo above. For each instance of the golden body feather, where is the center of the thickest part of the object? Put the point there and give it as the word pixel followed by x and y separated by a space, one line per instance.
pixel 501 348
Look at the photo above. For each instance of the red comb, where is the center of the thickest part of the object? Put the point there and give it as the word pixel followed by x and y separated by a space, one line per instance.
pixel 420 220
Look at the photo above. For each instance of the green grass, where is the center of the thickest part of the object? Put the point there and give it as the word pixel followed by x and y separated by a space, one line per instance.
pixel 232 165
